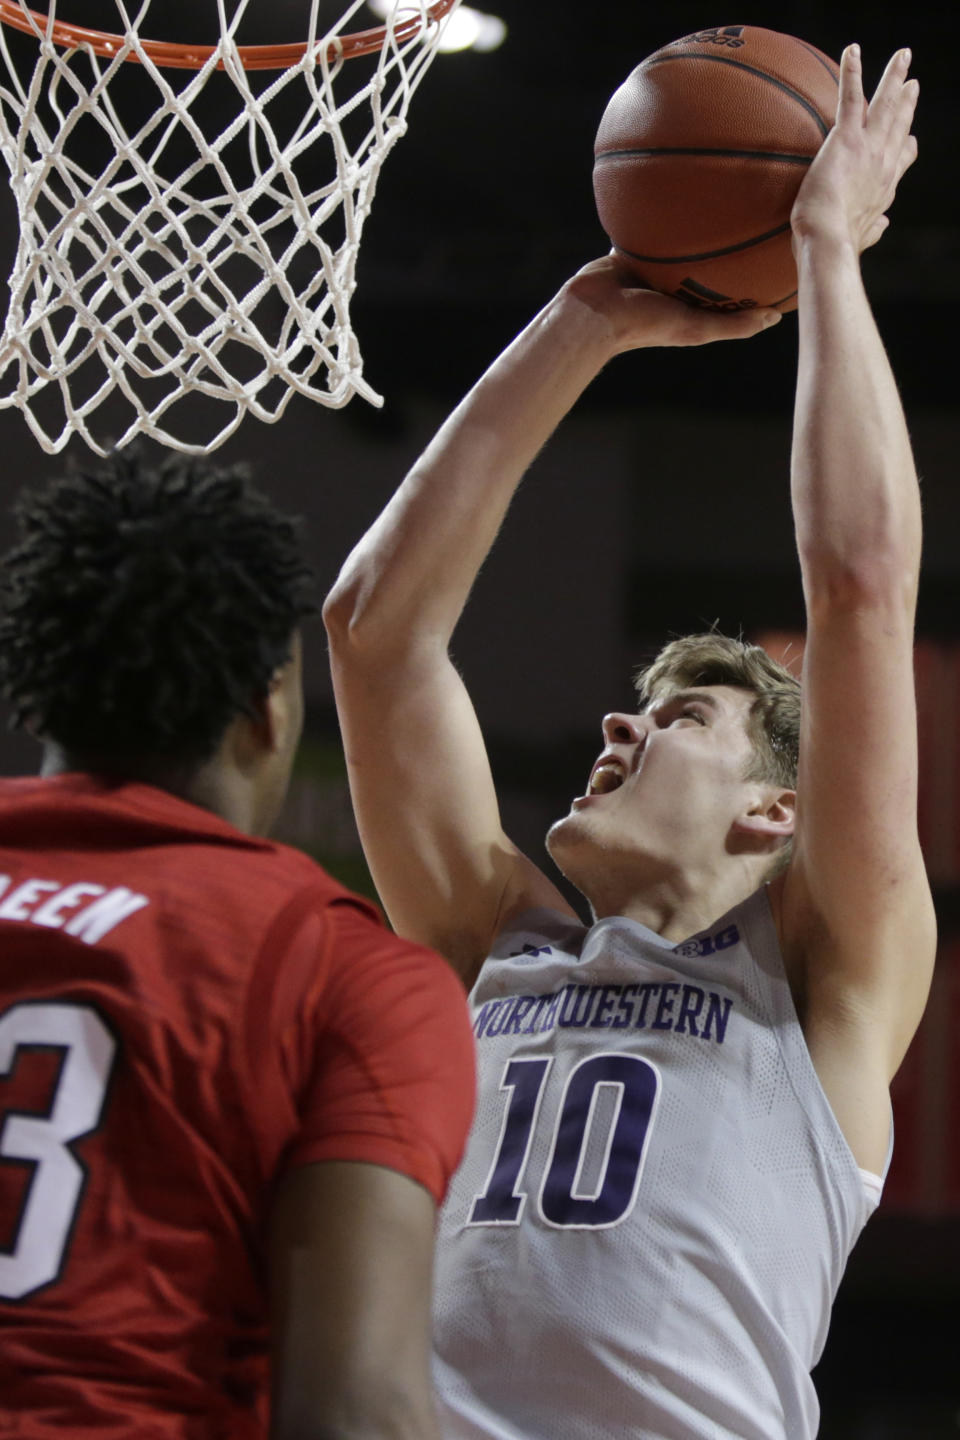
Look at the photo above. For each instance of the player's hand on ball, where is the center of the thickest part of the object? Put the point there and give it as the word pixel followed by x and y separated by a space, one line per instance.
pixel 854 176
pixel 640 317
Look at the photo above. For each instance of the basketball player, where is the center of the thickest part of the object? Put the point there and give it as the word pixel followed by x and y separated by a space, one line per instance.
pixel 684 1117
pixel 222 1080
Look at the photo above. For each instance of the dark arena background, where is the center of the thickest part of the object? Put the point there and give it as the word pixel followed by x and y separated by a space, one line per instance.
pixel 661 506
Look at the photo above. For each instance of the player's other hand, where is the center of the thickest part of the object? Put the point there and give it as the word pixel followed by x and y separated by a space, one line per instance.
pixel 854 176
pixel 640 318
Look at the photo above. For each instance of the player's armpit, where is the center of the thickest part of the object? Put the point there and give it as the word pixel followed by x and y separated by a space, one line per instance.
pixel 350 1271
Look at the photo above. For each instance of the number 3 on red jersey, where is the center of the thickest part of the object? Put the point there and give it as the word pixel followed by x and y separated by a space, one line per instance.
pixel 35 1255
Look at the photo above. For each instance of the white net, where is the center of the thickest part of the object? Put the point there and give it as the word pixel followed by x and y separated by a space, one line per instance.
pixel 159 261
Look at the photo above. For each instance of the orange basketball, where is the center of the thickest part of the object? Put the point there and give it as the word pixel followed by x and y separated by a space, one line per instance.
pixel 699 156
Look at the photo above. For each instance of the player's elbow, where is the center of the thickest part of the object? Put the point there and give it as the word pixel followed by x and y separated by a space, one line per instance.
pixel 358 623
pixel 375 634
pixel 836 584
pixel 340 609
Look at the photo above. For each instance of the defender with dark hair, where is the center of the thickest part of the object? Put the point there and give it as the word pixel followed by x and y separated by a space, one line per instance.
pixel 230 1099
pixel 146 607
pixel 684 1116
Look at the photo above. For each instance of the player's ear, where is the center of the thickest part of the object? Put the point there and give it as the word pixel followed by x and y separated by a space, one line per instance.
pixel 774 814
pixel 282 706
pixel 272 717
pixel 260 730
pixel 251 734
pixel 272 724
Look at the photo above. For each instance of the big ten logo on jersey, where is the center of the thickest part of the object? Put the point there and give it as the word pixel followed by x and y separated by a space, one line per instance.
pixel 730 37
pixel 702 945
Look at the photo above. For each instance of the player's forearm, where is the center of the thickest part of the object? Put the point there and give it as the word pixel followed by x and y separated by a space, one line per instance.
pixel 393 1421
pixel 855 493
pixel 409 577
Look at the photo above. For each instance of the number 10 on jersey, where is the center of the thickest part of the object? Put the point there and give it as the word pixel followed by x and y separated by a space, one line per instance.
pixel 565 1201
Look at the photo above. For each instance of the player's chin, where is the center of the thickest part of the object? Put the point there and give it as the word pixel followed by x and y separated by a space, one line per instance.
pixel 573 849
pixel 566 835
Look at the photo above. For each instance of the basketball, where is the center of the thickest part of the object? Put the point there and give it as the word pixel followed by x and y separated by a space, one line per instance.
pixel 698 159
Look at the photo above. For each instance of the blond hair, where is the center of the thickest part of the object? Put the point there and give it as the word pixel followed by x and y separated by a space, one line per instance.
pixel 773 725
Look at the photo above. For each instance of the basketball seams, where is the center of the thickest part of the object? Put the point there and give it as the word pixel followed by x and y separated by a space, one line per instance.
pixel 637 152
pixel 801 100
pixel 707 254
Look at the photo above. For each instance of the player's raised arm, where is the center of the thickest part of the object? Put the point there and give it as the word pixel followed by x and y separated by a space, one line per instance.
pixel 419 774
pixel 857 912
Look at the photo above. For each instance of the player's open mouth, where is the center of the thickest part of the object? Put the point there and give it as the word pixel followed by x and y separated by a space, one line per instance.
pixel 609 775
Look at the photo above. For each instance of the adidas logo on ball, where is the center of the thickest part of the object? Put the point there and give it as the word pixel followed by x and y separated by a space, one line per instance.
pixel 730 35
pixel 696 294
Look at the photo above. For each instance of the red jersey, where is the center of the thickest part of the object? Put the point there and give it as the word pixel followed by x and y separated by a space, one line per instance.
pixel 186 1012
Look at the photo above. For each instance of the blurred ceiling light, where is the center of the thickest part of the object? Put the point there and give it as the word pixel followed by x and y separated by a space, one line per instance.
pixel 466 29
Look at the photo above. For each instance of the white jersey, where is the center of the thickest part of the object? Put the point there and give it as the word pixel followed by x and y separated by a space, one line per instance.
pixel 656 1204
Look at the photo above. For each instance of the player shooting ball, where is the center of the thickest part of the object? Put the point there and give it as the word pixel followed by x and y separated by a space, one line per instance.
pixel 684 1116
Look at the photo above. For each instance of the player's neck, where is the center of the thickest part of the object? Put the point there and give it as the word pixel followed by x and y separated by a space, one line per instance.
pixel 211 786
pixel 679 905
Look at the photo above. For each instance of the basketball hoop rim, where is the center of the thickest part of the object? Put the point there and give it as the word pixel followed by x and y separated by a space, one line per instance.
pixel 172 56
